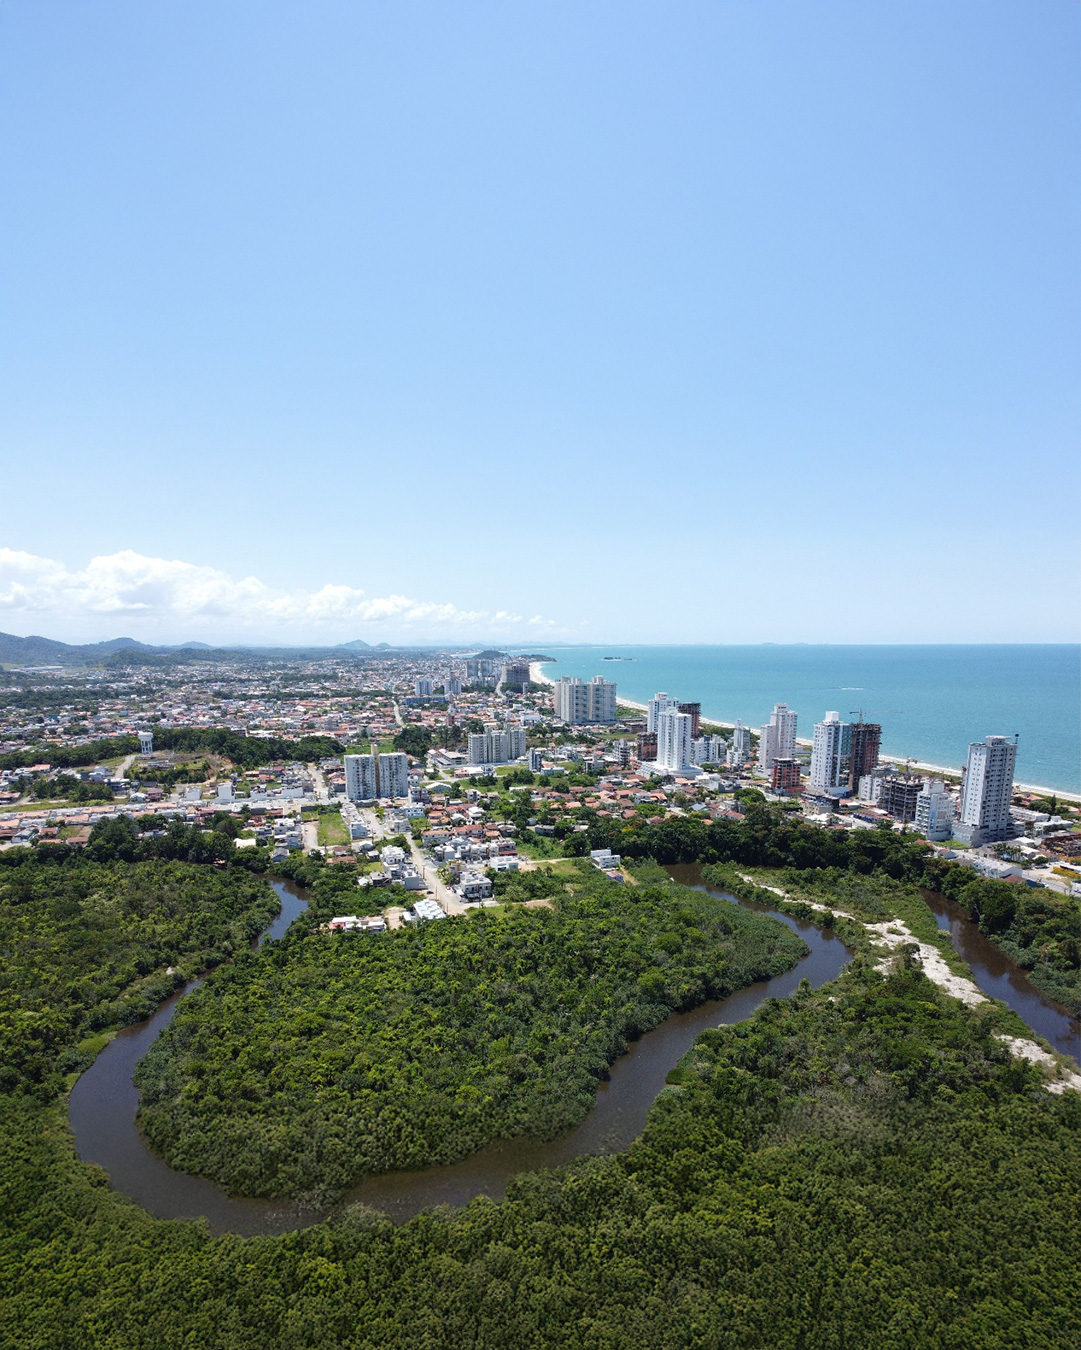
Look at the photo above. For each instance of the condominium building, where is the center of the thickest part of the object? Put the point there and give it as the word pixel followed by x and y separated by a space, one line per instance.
pixel 674 739
pixel 778 737
pixel 830 753
pixel 986 791
pixel 481 670
pixel 360 778
pixel 694 710
pixel 394 775
pixel 934 812
pixel 784 776
pixel 656 705
pixel 739 748
pixel 496 746
pixel 579 701
pixel 452 686
pixel 707 749
pixel 515 675
pixel 422 688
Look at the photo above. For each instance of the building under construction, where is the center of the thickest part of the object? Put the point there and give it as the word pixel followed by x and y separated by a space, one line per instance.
pixel 866 740
pixel 899 795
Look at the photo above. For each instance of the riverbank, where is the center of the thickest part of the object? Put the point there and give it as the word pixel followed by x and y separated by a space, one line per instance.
pixel 538 676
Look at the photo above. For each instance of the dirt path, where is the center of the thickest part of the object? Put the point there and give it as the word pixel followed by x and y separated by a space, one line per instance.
pixel 893 933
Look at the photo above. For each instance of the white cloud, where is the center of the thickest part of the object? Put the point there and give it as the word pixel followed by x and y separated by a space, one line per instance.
pixel 176 600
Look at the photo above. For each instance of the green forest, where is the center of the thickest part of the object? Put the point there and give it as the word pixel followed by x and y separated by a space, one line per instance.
pixel 317 1059
pixel 1038 928
pixel 859 1166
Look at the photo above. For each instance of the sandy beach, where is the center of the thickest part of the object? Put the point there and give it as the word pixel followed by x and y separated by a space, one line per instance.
pixel 537 675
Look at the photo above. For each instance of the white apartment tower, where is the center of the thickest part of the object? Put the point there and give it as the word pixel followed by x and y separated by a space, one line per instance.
pixel 986 791
pixel 495 746
pixel 934 812
pixel 576 701
pixel 422 688
pixel 674 739
pixel 739 749
pixel 394 775
pixel 360 779
pixel 656 705
pixel 778 737
pixel 830 750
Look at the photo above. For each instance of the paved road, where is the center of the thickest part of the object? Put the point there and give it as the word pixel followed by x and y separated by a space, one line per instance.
pixel 448 902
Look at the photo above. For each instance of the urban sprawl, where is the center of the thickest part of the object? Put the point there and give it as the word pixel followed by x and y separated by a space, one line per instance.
pixel 432 773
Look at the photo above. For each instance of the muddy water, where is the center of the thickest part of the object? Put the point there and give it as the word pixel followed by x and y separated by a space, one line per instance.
pixel 104 1100
pixel 1000 977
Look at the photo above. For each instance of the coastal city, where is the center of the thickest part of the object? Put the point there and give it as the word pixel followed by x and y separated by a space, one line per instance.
pixel 435 774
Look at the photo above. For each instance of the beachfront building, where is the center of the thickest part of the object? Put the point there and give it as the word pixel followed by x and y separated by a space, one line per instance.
pixel 866 742
pixel 830 752
pixel 674 750
pixel 778 737
pixel 872 785
pixel 656 705
pixel 934 812
pixel 580 701
pixel 694 711
pixel 360 778
pixel 394 775
pixel 739 748
pixel 986 792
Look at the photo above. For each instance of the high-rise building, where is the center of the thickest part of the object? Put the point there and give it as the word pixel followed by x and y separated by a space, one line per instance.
pixel 515 674
pixel 694 711
pixel 536 759
pixel 656 705
pixel 361 784
pixel 674 739
pixel 481 670
pixel 934 812
pixel 739 749
pixel 866 740
pixel 986 792
pixel 578 701
pixel 422 688
pixel 496 746
pixel 830 753
pixel 452 686
pixel 394 775
pixel 647 746
pixel 707 749
pixel 778 737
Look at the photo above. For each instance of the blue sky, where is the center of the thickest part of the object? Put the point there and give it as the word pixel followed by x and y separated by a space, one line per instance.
pixel 708 322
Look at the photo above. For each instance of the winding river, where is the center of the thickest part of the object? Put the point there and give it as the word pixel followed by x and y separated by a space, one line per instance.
pixel 104 1100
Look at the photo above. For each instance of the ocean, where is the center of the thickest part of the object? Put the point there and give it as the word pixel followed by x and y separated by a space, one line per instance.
pixel 930 700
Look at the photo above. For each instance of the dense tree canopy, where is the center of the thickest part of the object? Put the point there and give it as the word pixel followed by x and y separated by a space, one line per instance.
pixel 326 1056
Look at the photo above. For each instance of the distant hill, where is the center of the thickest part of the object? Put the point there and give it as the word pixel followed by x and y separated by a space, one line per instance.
pixel 357 645
pixel 42 651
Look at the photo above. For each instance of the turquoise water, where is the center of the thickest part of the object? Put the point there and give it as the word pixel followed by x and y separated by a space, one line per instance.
pixel 931 700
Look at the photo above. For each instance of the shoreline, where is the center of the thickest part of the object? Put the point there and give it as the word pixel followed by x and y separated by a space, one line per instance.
pixel 537 675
